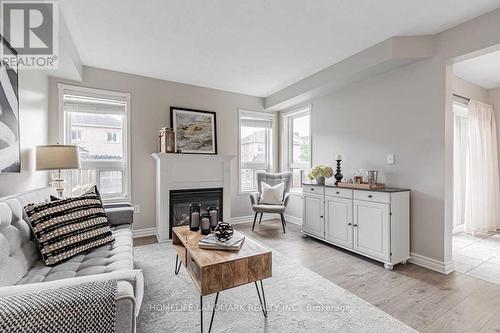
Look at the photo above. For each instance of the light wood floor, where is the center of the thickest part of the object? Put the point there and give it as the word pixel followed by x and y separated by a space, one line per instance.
pixel 423 299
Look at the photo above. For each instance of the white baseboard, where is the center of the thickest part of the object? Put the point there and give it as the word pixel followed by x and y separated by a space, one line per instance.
pixel 249 218
pixel 242 219
pixel 293 219
pixel 144 232
pixel 269 216
pixel 432 264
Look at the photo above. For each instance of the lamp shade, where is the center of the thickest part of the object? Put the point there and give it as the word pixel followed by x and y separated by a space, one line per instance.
pixel 57 157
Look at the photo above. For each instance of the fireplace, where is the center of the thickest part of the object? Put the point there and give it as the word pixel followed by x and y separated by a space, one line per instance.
pixel 178 174
pixel 181 199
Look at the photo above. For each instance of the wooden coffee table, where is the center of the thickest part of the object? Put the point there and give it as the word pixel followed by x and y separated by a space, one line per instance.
pixel 213 271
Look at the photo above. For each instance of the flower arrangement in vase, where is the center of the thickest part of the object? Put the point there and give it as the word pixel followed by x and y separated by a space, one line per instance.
pixel 320 172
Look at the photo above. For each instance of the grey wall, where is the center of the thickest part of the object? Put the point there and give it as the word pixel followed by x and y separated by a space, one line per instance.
pixel 469 90
pixel 151 100
pixel 494 98
pixel 33 117
pixel 388 114
pixel 294 207
pixel 406 112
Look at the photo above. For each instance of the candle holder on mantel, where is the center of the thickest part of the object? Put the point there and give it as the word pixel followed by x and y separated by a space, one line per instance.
pixel 338 176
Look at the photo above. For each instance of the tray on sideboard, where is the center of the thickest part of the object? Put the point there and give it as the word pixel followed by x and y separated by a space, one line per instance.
pixel 364 186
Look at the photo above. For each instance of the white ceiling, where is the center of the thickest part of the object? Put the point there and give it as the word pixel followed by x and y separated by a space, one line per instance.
pixel 253 47
pixel 483 71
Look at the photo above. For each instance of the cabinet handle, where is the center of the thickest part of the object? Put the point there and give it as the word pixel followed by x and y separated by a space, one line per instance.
pixel 370 196
pixel 321 216
pixel 349 223
pixel 338 192
pixel 312 189
pixel 355 225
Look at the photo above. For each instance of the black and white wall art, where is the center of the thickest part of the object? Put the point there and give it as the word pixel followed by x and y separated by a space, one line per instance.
pixel 10 154
pixel 195 131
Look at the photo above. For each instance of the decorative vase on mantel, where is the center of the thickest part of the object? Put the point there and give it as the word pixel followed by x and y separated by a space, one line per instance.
pixel 320 180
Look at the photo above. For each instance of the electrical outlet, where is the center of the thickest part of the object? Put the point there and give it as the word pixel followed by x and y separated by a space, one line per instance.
pixel 390 158
pixel 137 209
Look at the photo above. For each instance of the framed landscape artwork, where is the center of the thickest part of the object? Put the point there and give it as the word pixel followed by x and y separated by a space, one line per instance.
pixel 195 131
pixel 10 152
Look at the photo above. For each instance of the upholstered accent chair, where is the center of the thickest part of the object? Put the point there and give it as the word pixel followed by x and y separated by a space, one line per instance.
pixel 271 179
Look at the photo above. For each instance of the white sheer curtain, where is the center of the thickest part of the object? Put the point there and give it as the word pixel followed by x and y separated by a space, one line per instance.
pixel 460 140
pixel 482 193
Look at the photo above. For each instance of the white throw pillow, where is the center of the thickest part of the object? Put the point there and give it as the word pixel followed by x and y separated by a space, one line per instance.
pixel 272 195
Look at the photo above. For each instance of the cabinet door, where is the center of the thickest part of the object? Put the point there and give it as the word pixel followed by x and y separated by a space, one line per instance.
pixel 338 221
pixel 313 221
pixel 372 229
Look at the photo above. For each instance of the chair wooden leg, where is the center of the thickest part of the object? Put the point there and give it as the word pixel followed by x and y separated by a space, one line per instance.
pixel 254 220
pixel 283 222
pixel 260 219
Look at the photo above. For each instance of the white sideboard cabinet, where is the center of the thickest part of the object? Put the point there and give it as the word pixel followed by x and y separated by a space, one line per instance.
pixel 374 223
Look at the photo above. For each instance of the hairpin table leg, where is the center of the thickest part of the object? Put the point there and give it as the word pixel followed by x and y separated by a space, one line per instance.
pixel 262 300
pixel 213 312
pixel 178 264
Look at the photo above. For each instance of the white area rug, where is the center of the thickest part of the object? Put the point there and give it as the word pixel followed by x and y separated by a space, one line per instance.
pixel 298 300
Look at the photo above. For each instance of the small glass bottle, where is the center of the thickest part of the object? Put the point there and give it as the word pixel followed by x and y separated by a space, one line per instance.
pixel 358 176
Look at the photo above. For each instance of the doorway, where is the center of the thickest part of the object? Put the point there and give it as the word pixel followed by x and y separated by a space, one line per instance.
pixel 476 188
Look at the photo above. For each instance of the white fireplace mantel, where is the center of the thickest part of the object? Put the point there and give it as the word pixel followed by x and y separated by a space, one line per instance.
pixel 189 171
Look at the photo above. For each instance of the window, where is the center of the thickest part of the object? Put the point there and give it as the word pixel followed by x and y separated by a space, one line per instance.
pixel 256 133
pixel 76 135
pixel 103 117
pixel 297 144
pixel 111 181
pixel 111 137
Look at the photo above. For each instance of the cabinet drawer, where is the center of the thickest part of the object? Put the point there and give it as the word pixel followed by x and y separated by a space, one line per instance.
pixel 313 189
pixel 193 268
pixel 338 192
pixel 372 196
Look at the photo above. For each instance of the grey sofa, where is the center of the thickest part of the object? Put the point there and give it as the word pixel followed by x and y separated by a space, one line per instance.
pixel 22 270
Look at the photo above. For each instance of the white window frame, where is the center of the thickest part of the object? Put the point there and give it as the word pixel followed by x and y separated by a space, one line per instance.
pixel 287 140
pixel 65 135
pixel 270 147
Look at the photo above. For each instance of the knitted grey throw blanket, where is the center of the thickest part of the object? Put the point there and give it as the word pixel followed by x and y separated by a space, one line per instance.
pixel 87 307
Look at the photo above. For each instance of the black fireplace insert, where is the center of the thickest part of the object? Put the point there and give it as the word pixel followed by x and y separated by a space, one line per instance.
pixel 181 199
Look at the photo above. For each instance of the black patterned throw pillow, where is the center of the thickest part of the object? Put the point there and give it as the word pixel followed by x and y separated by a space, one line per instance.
pixel 68 227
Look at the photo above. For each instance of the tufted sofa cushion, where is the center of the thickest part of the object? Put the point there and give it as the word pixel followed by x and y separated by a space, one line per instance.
pixel 18 251
pixel 104 259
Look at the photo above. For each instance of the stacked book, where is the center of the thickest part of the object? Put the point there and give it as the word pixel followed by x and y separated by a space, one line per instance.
pixel 209 242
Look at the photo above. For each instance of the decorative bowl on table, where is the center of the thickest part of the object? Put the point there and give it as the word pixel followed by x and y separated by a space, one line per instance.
pixel 223 232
